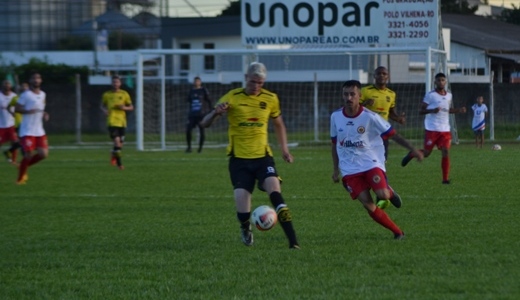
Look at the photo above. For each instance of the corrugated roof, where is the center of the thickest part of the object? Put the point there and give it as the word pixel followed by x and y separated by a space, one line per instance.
pixel 201 27
pixel 114 20
pixel 482 33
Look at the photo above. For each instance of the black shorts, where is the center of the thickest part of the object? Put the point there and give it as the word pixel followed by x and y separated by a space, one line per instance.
pixel 193 121
pixel 114 132
pixel 245 172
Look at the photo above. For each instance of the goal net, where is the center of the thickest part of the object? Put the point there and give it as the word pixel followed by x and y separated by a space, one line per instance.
pixel 307 81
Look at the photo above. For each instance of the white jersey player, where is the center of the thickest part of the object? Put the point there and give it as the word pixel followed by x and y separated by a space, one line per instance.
pixel 32 105
pixel 358 153
pixel 437 107
pixel 479 121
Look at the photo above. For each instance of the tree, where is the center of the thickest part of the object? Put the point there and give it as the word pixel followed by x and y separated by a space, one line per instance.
pixel 457 7
pixel 232 10
pixel 511 15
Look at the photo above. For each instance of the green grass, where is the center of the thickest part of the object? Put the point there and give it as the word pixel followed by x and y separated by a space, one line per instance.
pixel 165 228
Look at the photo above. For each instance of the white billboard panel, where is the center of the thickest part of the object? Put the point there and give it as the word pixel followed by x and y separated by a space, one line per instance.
pixel 340 23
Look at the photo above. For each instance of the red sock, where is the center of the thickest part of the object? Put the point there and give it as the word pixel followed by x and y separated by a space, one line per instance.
pixel 445 164
pixel 382 218
pixel 23 168
pixel 36 158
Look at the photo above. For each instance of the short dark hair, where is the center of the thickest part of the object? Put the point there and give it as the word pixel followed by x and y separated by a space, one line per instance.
pixel 116 77
pixel 351 83
pixel 440 75
pixel 197 77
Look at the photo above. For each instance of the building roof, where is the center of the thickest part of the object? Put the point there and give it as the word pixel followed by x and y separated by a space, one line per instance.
pixel 201 27
pixel 498 39
pixel 113 20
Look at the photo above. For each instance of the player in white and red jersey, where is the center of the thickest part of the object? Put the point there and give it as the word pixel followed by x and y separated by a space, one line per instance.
pixel 437 106
pixel 32 105
pixel 7 121
pixel 358 153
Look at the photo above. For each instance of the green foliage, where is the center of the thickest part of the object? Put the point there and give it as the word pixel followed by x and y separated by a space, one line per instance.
pixel 57 73
pixel 75 42
pixel 457 7
pixel 165 228
pixel 118 40
pixel 511 15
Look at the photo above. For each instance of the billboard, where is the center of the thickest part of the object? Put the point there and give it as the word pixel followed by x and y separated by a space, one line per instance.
pixel 340 23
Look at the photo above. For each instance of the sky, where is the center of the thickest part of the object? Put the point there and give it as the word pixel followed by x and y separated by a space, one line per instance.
pixel 210 8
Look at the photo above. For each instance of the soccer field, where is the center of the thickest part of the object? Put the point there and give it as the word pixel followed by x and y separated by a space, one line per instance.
pixel 165 228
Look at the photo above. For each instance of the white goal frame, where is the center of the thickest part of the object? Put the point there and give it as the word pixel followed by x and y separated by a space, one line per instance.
pixel 160 55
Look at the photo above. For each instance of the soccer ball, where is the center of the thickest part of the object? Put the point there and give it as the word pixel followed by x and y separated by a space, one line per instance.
pixel 497 147
pixel 264 218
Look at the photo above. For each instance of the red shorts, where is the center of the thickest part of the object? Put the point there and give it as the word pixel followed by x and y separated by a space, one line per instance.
pixel 374 179
pixel 436 138
pixel 8 135
pixel 30 143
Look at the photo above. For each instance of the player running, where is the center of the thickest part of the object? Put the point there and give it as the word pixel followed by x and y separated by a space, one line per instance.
pixel 8 121
pixel 115 103
pixel 437 108
pixel 358 153
pixel 31 105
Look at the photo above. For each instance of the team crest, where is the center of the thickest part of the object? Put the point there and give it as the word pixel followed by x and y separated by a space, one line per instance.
pixel 361 129
pixel 387 99
pixel 376 179
pixel 429 142
pixel 263 105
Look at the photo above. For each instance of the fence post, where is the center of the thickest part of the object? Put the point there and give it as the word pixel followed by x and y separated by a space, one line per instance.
pixel 78 108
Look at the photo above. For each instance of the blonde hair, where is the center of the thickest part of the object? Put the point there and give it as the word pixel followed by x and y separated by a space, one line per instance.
pixel 257 69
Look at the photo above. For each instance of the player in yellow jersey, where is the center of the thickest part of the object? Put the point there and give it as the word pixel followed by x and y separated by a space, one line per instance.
pixel 115 103
pixel 248 111
pixel 380 99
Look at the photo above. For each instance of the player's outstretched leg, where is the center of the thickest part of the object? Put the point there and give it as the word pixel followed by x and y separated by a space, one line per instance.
pixel 285 218
pixel 384 220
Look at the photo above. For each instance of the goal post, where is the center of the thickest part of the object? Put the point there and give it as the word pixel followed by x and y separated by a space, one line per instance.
pixel 307 81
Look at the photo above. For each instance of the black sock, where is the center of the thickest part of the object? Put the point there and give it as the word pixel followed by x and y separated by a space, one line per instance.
pixel 15 146
pixel 188 138
pixel 284 217
pixel 243 218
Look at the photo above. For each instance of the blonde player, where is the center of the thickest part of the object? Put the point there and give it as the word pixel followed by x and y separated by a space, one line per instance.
pixel 31 105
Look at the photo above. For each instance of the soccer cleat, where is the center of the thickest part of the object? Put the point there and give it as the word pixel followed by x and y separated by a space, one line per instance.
pixel 406 159
pixel 24 179
pixel 295 247
pixel 8 156
pixel 121 167
pixel 382 204
pixel 113 160
pixel 396 200
pixel 247 235
pixel 446 182
pixel 399 236
pixel 188 150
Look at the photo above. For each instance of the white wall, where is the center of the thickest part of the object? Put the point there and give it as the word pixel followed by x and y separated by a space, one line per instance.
pixel 468 57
